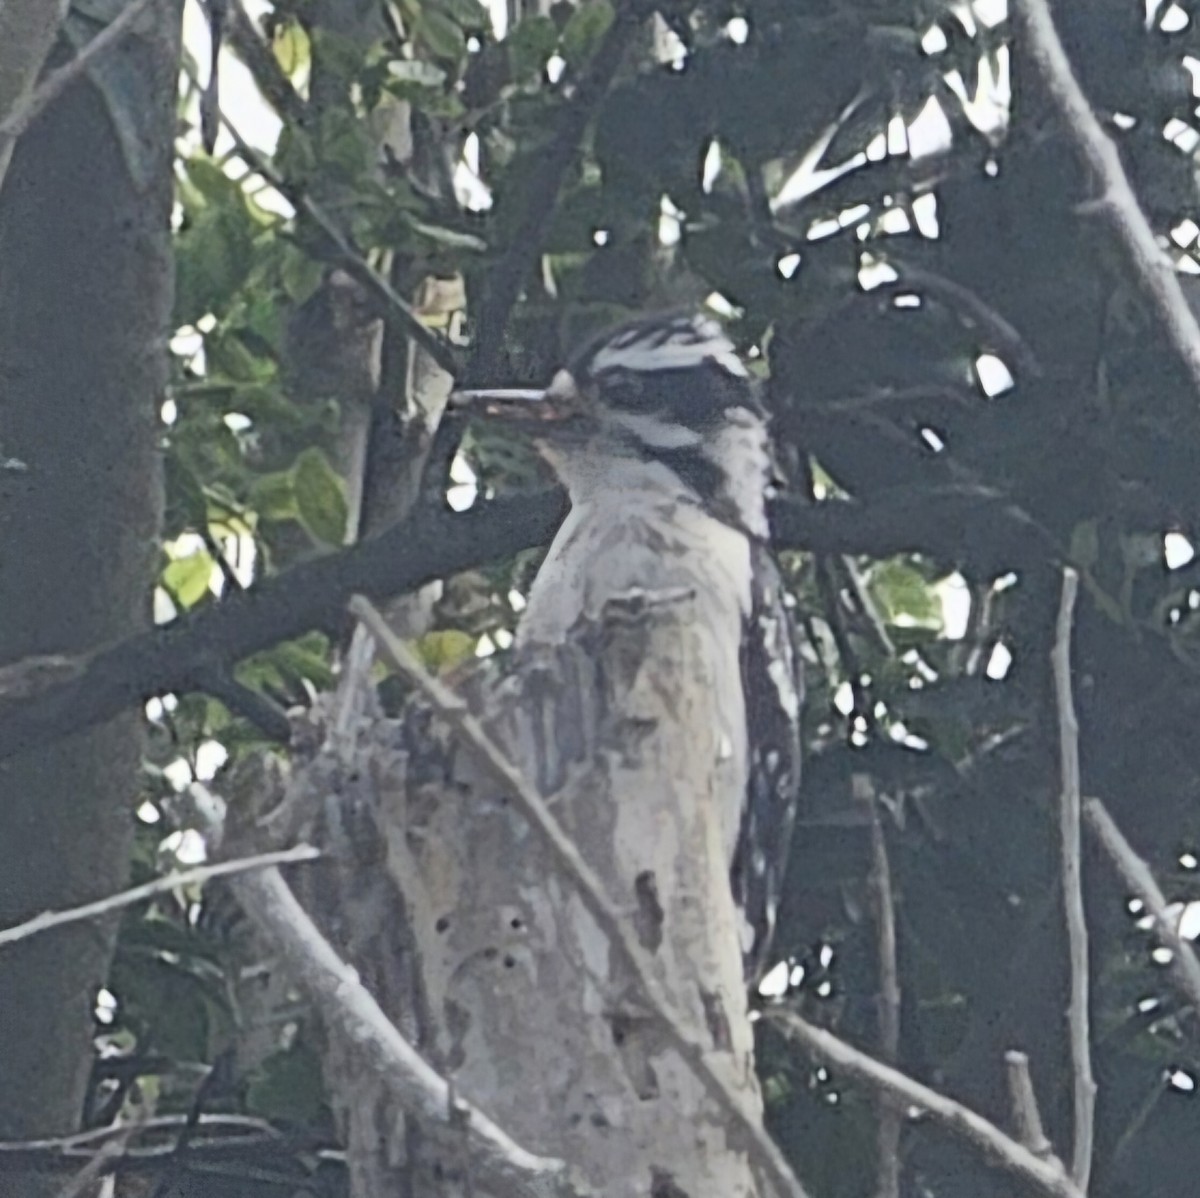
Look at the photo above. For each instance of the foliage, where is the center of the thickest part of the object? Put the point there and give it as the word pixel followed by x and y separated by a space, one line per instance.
pixel 871 295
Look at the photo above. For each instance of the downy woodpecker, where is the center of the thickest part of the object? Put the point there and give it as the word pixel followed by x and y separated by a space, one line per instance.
pixel 656 431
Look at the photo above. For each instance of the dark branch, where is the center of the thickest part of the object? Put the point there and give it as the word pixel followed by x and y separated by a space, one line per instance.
pixel 540 193
pixel 181 656
pixel 248 44
pixel 434 542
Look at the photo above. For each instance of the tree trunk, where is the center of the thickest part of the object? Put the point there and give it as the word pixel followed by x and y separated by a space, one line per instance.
pixel 85 294
pixel 478 946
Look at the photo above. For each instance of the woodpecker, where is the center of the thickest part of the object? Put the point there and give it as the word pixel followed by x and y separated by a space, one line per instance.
pixel 656 431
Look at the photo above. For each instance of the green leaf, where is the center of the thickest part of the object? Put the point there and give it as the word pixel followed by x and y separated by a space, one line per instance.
pixel 446 648
pixel 905 595
pixel 283 664
pixel 440 35
pixel 588 24
pixel 186 505
pixel 211 183
pixel 292 49
pixel 170 1000
pixel 213 257
pixel 273 496
pixel 305 657
pixel 187 578
pixel 530 46
pixel 470 14
pixel 320 497
pixel 299 274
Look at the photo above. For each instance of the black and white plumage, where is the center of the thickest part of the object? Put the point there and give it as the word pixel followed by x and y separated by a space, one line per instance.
pixel 656 431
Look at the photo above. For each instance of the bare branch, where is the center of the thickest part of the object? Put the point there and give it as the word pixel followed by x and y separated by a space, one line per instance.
pixel 28 29
pixel 890 1119
pixel 164 885
pixel 249 45
pixel 538 197
pixel 1047 1176
pixel 1151 264
pixel 242 1129
pixel 1140 880
pixel 50 88
pixel 108 1153
pixel 1072 882
pixel 431 542
pixel 762 1150
pixel 343 1000
pixel 1024 1105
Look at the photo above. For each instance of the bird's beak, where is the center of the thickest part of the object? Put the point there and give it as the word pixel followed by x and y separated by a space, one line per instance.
pixel 554 405
pixel 502 403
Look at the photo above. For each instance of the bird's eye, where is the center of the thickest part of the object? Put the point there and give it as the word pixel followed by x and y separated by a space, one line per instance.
pixel 622 389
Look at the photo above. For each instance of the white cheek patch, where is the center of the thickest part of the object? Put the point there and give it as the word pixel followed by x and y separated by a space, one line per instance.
pixel 658 434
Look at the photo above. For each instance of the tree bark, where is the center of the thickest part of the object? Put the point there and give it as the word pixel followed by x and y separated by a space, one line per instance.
pixel 461 922
pixel 27 32
pixel 85 294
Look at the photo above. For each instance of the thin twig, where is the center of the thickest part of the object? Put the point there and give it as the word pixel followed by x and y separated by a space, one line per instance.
pixel 890 1119
pixel 1026 1116
pixel 1072 883
pixel 873 620
pixel 252 705
pixel 835 617
pixel 1047 1176
pixel 965 302
pixel 102 1160
pixel 164 885
pixel 1151 264
pixel 232 581
pixel 242 1129
pixel 50 88
pixel 761 1149
pixel 1139 879
pixel 338 992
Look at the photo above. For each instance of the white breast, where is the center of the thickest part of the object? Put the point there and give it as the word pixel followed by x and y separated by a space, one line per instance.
pixel 635 536
pixel 639 535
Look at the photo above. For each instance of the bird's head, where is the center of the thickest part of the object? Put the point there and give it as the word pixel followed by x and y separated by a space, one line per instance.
pixel 666 390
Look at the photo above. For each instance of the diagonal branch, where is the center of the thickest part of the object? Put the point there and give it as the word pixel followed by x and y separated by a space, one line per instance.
pixel 621 936
pixel 433 542
pixel 429 545
pixel 249 45
pixel 540 193
pixel 58 81
pixel 1139 879
pixel 1117 199
pixel 1072 883
pixel 1047 1176
pixel 163 885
